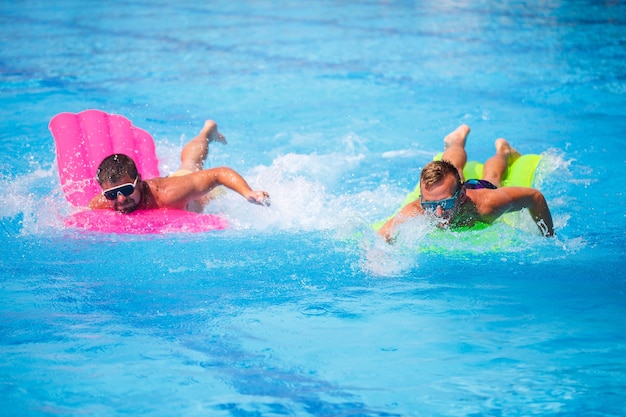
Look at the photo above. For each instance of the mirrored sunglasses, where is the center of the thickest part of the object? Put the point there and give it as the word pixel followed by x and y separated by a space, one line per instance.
pixel 445 204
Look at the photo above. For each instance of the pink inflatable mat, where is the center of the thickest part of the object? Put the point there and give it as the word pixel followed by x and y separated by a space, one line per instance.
pixel 82 141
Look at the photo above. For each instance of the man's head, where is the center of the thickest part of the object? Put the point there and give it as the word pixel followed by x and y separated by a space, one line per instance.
pixel 114 167
pixel 440 188
pixel 117 175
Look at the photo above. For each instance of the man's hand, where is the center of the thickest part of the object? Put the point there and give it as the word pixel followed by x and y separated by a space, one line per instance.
pixel 261 198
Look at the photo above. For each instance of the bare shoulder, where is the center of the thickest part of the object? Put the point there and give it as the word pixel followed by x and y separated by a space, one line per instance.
pixel 408 211
pixel 163 187
pixel 488 202
pixel 412 209
pixel 160 182
pixel 518 192
pixel 493 203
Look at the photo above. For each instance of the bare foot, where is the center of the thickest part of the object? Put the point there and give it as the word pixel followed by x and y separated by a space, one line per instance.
pixel 210 132
pixel 456 137
pixel 504 147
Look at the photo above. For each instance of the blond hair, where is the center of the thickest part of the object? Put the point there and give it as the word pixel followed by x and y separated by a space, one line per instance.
pixel 434 172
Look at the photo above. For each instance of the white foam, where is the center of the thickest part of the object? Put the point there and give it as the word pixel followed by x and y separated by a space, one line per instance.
pixel 34 198
pixel 406 153
pixel 300 198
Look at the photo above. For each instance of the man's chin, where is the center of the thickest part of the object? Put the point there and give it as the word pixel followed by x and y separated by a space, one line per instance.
pixel 126 209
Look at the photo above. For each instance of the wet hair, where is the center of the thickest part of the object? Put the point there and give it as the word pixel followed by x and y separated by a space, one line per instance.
pixel 115 167
pixel 434 172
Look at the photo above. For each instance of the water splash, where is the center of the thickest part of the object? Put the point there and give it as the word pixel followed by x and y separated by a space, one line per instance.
pixel 304 199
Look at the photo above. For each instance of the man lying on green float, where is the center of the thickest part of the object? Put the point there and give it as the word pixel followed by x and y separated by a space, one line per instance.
pixel 443 191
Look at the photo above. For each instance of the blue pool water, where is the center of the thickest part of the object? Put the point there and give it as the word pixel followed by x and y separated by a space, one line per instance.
pixel 299 309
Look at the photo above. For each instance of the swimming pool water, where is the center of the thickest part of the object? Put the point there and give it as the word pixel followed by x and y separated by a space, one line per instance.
pixel 299 309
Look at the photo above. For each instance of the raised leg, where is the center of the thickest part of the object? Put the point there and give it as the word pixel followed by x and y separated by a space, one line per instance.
pixel 454 148
pixel 495 167
pixel 192 159
pixel 194 153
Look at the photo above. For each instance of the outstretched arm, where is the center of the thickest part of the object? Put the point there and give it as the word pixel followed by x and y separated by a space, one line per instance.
pixel 541 214
pixel 201 182
pixel 410 210
pixel 535 202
